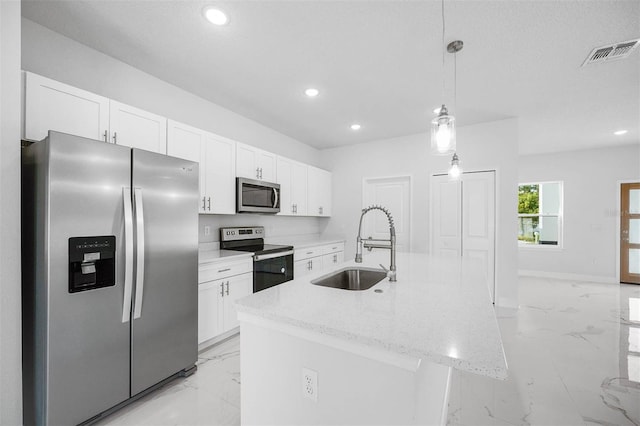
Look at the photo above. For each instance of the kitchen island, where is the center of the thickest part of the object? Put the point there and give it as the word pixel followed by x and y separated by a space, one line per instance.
pixel 320 355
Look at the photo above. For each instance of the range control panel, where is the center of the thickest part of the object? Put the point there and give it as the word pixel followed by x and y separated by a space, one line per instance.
pixel 234 234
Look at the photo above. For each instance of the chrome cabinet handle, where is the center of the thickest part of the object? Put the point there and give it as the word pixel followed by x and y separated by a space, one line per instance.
pixel 257 172
pixel 260 173
pixel 128 253
pixel 106 138
pixel 320 210
pixel 115 137
pixel 204 204
pixel 224 270
pixel 137 198
pixel 227 288
pixel 335 258
pixel 221 289
pixel 209 204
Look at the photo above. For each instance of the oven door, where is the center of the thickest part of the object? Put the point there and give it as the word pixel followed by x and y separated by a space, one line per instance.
pixel 256 196
pixel 272 269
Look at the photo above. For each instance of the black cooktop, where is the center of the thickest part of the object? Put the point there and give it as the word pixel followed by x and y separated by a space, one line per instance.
pixel 259 248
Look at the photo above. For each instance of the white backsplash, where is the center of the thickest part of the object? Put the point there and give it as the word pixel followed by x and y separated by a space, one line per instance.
pixel 274 226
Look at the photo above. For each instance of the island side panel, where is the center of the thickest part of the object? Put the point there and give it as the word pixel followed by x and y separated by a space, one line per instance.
pixel 352 389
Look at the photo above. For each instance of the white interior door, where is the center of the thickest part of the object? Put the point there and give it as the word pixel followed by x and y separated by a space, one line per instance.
pixel 446 216
pixel 463 219
pixel 393 193
pixel 478 222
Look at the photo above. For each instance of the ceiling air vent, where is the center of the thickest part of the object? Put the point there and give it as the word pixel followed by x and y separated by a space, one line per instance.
pixel 611 52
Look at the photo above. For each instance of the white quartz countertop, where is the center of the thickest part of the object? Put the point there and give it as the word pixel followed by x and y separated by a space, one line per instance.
pixel 304 241
pixel 208 256
pixel 439 310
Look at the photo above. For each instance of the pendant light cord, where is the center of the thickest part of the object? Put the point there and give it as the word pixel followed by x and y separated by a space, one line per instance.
pixel 443 29
pixel 455 82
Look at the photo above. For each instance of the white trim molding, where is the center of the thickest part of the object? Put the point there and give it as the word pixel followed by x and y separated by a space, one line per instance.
pixel 566 276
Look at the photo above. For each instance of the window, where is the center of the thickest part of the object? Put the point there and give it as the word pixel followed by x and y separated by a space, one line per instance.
pixel 540 214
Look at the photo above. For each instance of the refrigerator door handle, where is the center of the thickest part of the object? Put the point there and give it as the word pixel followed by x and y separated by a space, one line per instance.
pixel 137 196
pixel 128 252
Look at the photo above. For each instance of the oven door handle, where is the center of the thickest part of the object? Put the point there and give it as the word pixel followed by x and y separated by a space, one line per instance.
pixel 259 257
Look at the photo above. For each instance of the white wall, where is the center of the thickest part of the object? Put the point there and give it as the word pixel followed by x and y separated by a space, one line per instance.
pixel 488 146
pixel 591 210
pixel 52 55
pixel 10 320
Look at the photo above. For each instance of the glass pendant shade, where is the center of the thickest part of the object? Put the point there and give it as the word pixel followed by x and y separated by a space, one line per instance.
pixel 455 170
pixel 443 133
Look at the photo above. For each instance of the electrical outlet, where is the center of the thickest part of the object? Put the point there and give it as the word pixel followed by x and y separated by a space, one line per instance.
pixel 310 384
pixel 207 230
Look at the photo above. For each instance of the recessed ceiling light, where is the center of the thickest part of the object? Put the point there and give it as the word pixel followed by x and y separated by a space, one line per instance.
pixel 216 16
pixel 355 126
pixel 620 132
pixel 311 92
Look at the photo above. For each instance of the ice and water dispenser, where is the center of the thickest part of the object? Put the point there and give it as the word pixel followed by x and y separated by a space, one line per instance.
pixel 92 263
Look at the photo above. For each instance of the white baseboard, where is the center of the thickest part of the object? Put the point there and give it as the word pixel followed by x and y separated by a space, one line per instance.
pixel 565 276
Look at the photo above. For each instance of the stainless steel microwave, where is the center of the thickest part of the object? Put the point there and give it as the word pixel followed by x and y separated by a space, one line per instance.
pixel 257 196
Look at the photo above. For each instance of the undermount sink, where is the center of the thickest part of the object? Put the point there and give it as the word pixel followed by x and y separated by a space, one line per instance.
pixel 352 278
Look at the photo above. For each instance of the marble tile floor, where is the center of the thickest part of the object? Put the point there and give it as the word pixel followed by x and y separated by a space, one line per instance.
pixel 573 352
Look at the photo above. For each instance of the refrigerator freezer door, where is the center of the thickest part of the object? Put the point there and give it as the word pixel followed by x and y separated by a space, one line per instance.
pixel 165 324
pixel 87 344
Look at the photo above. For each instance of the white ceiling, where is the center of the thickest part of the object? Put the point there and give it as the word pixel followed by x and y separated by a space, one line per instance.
pixel 379 63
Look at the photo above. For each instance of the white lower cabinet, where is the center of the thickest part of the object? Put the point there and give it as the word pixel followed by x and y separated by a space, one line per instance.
pixel 317 258
pixel 216 297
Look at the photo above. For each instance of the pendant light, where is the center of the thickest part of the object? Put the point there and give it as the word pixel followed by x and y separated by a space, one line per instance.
pixel 454 169
pixel 443 128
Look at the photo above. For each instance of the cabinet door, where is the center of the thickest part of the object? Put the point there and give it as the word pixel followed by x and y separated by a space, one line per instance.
pixel 283 177
pixel 50 105
pixel 208 295
pixel 246 164
pixel 187 142
pixel 329 261
pixel 301 268
pixel 234 289
pixel 267 164
pixel 299 187
pixel 306 266
pixel 220 166
pixel 136 128
pixel 318 192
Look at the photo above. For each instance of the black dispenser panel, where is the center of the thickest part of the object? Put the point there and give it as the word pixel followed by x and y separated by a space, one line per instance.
pixel 91 263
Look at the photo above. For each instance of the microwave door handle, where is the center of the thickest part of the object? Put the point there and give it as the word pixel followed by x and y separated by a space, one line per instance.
pixel 128 254
pixel 137 195
pixel 275 194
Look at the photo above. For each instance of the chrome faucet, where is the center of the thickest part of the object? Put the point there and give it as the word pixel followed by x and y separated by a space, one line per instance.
pixel 369 242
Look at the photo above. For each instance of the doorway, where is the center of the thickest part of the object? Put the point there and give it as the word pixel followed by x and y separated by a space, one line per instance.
pixel 463 219
pixel 630 233
pixel 394 193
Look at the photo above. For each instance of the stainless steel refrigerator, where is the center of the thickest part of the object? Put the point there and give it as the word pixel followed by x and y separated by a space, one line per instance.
pixel 110 287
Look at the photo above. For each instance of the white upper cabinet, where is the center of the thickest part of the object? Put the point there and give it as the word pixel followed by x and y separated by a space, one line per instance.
pixel 292 177
pixel 187 142
pixel 220 165
pixel 318 192
pixel 254 163
pixel 130 126
pixel 51 105
pixel 216 156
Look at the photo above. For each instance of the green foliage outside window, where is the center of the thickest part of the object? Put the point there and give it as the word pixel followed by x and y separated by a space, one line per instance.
pixel 528 199
pixel 528 203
